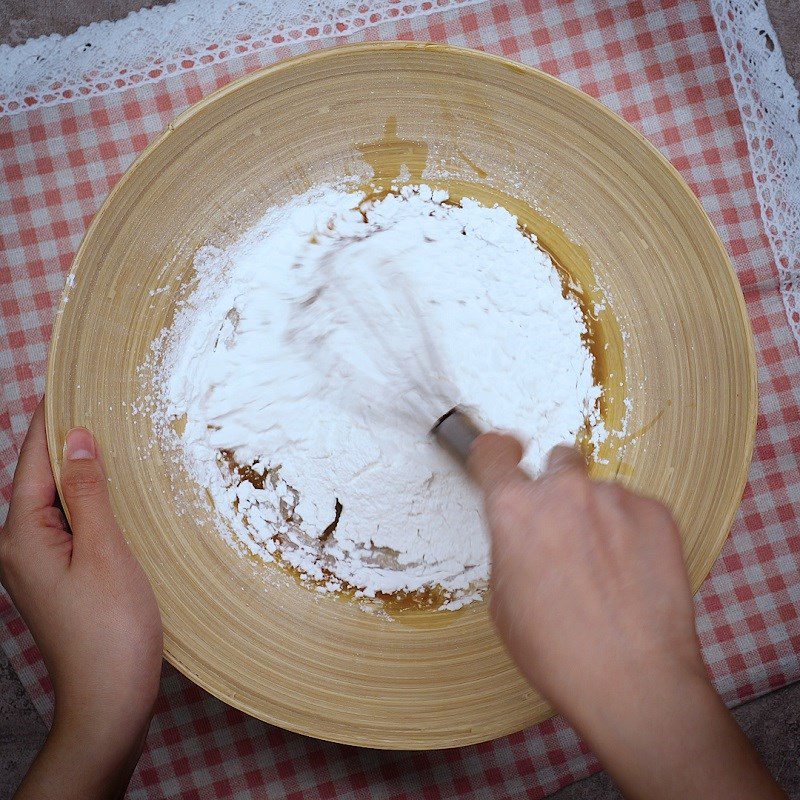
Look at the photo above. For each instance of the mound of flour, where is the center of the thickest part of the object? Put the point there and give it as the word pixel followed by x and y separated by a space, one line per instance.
pixel 305 444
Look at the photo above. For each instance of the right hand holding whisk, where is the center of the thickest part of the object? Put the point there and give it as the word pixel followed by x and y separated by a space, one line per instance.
pixel 590 595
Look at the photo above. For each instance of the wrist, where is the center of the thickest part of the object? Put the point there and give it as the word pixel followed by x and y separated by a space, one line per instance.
pixel 103 736
pixel 122 705
pixel 85 756
pixel 665 733
pixel 624 709
pixel 105 725
pixel 613 693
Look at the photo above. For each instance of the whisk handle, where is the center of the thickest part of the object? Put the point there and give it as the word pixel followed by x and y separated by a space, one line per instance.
pixel 455 432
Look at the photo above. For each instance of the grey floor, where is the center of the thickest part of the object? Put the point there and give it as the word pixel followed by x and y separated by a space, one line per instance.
pixel 771 722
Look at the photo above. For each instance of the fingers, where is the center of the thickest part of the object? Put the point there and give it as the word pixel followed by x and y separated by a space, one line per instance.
pixel 493 459
pixel 85 492
pixel 563 458
pixel 34 487
pixel 54 519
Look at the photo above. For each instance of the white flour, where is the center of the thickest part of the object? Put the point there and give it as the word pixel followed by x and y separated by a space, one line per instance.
pixel 267 365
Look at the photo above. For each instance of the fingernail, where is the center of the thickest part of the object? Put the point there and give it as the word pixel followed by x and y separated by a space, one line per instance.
pixel 79 445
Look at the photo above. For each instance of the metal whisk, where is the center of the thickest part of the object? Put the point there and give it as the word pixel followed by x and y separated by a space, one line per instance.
pixel 378 309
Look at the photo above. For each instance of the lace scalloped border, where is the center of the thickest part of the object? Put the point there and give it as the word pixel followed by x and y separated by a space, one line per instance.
pixel 770 108
pixel 155 43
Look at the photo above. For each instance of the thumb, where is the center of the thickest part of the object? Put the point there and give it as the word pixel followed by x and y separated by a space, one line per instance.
pixel 493 459
pixel 84 491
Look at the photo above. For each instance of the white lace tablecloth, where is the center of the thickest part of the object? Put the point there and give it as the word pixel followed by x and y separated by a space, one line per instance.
pixel 770 109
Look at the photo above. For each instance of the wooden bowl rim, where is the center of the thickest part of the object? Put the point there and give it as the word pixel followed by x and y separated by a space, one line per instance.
pixel 55 448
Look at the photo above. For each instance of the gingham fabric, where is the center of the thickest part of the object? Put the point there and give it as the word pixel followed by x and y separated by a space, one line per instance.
pixel 661 67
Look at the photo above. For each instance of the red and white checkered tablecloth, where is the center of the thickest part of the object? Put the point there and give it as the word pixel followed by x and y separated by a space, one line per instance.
pixel 658 65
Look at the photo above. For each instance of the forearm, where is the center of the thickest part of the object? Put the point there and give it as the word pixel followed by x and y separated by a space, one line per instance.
pixel 606 630
pixel 83 762
pixel 667 738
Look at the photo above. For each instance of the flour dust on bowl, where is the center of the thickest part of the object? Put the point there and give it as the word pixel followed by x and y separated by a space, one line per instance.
pixel 310 362
pixel 292 583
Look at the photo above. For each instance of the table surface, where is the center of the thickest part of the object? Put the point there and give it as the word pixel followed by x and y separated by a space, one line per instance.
pixel 772 722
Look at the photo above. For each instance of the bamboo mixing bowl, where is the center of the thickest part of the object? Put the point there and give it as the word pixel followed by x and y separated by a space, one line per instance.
pixel 603 200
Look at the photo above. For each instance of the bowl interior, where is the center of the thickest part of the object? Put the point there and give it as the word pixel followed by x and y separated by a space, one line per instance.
pixel 605 203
